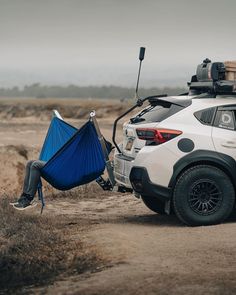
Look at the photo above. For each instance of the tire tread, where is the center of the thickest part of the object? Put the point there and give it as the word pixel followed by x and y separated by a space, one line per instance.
pixel 189 171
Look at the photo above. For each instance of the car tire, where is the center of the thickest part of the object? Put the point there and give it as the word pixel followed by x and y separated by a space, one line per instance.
pixel 154 204
pixel 203 195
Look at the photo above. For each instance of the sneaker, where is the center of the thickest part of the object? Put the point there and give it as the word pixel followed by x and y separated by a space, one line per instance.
pixel 19 200
pixel 24 204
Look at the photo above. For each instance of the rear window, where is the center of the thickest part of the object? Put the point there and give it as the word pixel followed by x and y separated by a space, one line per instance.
pixel 155 113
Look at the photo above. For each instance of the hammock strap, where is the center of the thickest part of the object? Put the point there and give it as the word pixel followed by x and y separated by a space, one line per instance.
pixel 40 195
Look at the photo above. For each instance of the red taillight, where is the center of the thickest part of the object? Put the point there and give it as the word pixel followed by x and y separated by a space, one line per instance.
pixel 157 135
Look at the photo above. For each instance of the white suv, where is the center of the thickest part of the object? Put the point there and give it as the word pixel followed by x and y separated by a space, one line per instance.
pixel 179 155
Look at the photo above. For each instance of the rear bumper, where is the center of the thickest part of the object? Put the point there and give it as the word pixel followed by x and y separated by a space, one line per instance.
pixel 142 184
pixel 122 167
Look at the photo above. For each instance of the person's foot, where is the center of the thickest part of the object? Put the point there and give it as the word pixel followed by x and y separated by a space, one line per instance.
pixel 19 199
pixel 24 204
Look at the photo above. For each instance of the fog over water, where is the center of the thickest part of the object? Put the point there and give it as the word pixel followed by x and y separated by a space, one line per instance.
pixel 89 42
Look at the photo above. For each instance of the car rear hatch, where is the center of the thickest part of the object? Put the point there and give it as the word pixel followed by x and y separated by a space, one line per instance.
pixel 148 119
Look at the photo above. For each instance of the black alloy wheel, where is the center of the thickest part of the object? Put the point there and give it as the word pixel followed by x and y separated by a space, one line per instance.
pixel 203 195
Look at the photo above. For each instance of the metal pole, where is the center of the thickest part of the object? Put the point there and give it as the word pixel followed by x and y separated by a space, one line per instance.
pixel 56 114
pixel 136 91
pixel 104 149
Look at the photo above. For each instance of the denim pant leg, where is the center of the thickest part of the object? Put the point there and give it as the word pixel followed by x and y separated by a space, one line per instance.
pixel 27 175
pixel 33 177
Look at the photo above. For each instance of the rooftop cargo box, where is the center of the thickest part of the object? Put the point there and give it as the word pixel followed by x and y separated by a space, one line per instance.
pixel 230 70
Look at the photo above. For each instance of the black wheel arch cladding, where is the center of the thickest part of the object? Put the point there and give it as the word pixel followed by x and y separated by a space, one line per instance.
pixel 222 161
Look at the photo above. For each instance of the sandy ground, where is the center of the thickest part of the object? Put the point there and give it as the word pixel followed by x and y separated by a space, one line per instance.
pixel 148 253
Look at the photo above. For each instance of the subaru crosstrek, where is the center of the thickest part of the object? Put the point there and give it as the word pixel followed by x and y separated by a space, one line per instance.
pixel 179 153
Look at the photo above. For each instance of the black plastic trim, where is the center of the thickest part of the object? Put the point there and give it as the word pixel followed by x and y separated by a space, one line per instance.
pixel 148 188
pixel 231 107
pixel 182 102
pixel 224 162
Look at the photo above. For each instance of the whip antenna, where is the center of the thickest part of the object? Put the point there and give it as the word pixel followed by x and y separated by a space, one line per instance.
pixel 141 58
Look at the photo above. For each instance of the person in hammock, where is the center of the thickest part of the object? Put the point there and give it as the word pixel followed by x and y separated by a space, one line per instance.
pixel 31 180
pixel 30 185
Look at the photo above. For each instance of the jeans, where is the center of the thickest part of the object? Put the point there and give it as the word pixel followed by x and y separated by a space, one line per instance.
pixel 32 177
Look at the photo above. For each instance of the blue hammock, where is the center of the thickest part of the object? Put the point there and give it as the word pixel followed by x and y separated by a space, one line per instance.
pixel 59 132
pixel 74 157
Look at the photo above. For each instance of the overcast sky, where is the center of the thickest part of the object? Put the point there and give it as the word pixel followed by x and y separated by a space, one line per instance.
pixel 59 40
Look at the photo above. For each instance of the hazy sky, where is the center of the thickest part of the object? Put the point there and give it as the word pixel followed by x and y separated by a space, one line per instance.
pixel 101 38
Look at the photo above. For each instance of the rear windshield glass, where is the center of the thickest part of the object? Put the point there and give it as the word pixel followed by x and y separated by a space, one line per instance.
pixel 156 113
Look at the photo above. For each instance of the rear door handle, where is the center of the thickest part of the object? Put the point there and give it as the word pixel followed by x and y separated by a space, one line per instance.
pixel 229 144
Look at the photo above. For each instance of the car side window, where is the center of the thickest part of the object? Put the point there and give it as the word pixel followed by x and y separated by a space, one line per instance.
pixel 206 116
pixel 225 119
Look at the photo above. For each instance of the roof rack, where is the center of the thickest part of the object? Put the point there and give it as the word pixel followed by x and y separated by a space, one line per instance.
pixel 212 78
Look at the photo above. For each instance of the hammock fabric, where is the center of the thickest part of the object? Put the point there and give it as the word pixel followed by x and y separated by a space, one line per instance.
pixel 59 132
pixel 77 162
pixel 74 157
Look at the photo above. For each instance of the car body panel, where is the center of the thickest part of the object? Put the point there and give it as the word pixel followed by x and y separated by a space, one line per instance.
pixel 159 160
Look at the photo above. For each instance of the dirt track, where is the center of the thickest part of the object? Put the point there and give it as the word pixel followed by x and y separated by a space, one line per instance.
pixel 147 253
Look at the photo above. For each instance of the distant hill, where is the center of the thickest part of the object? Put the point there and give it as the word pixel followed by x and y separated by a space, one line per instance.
pixel 73 91
pixel 124 76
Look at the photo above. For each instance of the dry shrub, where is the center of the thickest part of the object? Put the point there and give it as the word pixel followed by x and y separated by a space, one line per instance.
pixel 19 149
pixel 69 108
pixel 29 251
pixel 34 250
pixel 22 151
pixel 20 173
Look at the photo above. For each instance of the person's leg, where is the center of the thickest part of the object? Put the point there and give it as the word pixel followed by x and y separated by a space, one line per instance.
pixel 31 184
pixel 25 183
pixel 34 177
pixel 27 176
